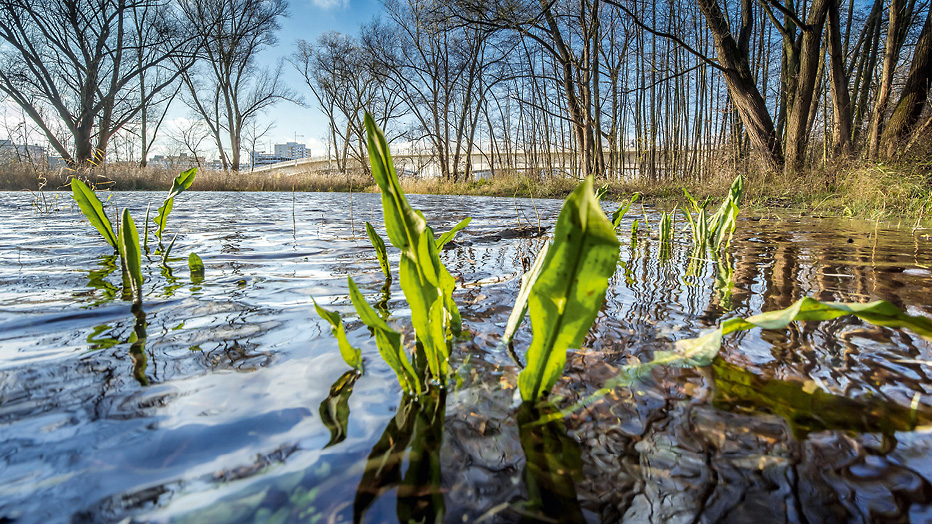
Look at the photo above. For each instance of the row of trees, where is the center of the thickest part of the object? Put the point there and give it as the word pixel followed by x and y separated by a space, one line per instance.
pixel 611 87
pixel 663 88
pixel 85 70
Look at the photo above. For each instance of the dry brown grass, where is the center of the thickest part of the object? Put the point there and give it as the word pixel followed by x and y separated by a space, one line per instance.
pixel 848 188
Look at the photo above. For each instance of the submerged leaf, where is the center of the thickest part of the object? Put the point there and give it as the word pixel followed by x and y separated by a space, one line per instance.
pixel 195 266
pixel 570 289
pixel 351 354
pixel 93 209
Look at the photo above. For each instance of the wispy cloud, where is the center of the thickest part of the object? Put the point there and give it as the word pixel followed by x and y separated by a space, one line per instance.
pixel 330 4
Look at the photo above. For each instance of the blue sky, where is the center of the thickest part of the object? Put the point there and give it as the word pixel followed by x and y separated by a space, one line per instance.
pixel 307 20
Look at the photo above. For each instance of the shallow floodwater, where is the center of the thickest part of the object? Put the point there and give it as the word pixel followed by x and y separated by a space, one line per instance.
pixel 229 402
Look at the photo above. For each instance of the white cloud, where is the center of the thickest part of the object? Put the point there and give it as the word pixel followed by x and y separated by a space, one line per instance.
pixel 330 4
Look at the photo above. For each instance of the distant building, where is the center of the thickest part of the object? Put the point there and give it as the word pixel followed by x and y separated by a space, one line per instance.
pixel 182 161
pixel 263 159
pixel 11 152
pixel 291 151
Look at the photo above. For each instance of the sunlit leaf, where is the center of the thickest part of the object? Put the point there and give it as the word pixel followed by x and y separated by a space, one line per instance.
pixel 519 310
pixel 449 235
pixel 131 253
pixel 93 210
pixel 619 213
pixel 380 252
pixel 351 355
pixel 161 217
pixel 182 182
pixel 387 340
pixel 570 289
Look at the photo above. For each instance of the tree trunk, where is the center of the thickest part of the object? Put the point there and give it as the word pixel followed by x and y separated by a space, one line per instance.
pixel 841 100
pixel 809 58
pixel 741 85
pixel 915 92
pixel 897 15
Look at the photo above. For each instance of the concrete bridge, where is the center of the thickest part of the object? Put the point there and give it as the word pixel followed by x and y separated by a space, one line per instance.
pixel 480 165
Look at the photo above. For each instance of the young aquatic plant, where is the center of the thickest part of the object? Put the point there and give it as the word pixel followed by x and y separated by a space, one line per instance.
pixel 715 230
pixel 619 213
pixel 182 182
pixel 380 252
pixel 131 254
pixel 702 351
pixel 93 210
pixel 350 353
pixel 570 289
pixel 426 283
pixel 195 266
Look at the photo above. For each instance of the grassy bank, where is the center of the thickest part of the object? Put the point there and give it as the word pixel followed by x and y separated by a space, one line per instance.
pixel 853 188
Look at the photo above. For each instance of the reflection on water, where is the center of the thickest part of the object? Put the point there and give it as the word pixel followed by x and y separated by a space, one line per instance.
pixel 227 401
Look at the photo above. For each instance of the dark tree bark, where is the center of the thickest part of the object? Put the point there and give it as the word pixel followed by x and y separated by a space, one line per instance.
pixel 915 92
pixel 841 99
pixel 741 85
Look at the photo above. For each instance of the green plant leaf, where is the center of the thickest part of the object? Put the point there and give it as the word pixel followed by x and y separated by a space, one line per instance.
pixel 380 252
pixel 131 253
pixel 161 217
pixel 449 235
pixel 93 210
pixel 570 289
pixel 388 341
pixel 619 213
pixel 351 354
pixel 195 266
pixel 527 283
pixel 145 237
pixel 334 410
pixel 182 182
pixel 422 275
pixel 167 251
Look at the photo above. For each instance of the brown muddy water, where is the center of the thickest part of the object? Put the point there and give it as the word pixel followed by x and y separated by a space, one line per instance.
pixel 238 407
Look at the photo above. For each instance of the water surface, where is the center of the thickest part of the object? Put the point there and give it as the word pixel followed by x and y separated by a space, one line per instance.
pixel 238 407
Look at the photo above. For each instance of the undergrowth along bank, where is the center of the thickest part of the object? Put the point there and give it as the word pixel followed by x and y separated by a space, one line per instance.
pixel 850 188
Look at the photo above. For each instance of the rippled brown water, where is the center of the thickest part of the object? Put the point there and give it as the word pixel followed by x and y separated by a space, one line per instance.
pixel 233 410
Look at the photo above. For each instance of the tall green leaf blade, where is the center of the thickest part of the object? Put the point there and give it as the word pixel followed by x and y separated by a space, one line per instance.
pixel 570 289
pixel 182 182
pixel 131 253
pixel 619 213
pixel 161 217
pixel 93 210
pixel 527 283
pixel 403 224
pixel 351 354
pixel 388 341
pixel 449 235
pixel 380 251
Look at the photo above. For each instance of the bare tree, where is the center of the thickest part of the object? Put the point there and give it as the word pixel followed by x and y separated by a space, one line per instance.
pixel 345 80
pixel 79 62
pixel 227 88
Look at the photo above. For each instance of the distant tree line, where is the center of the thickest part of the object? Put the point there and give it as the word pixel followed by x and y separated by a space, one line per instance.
pixel 610 87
